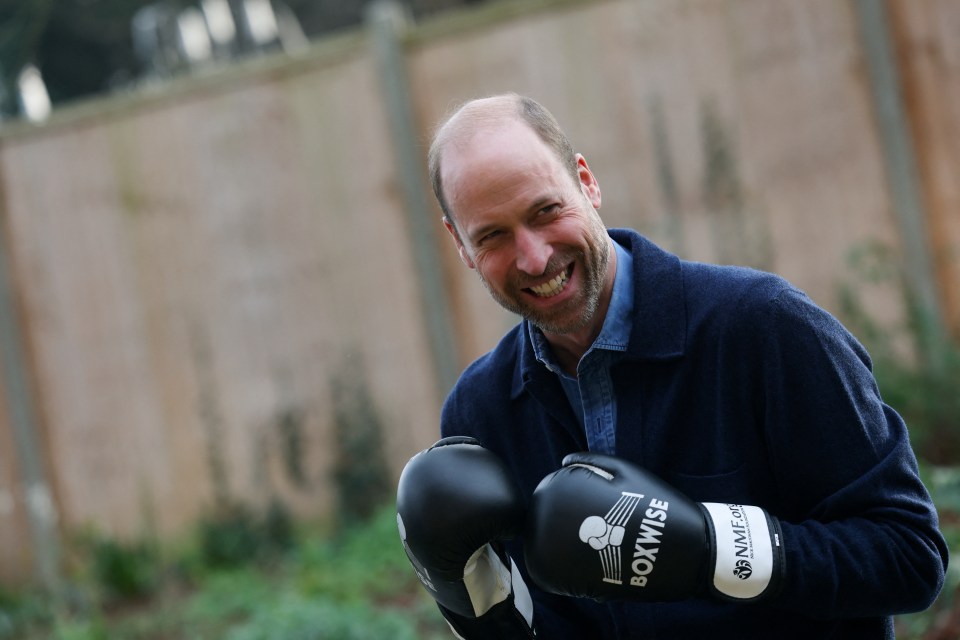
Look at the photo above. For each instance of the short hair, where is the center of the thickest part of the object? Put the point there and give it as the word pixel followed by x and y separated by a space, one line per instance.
pixel 471 115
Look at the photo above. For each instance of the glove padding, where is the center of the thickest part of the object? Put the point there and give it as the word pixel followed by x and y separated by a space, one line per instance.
pixel 456 502
pixel 603 528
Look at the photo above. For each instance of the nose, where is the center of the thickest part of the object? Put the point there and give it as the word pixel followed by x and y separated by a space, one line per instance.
pixel 533 252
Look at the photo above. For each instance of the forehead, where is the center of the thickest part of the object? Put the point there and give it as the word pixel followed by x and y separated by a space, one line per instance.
pixel 493 166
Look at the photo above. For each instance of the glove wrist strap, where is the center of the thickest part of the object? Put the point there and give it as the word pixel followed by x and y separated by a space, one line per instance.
pixel 748 551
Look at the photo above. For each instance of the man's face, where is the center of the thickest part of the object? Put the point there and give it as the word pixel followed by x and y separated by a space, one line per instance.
pixel 531 232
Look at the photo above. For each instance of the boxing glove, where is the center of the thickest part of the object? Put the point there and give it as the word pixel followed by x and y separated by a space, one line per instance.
pixel 603 528
pixel 456 502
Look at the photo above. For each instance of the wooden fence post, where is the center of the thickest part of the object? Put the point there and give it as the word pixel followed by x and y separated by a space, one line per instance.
pixel 386 20
pixel 15 378
pixel 902 175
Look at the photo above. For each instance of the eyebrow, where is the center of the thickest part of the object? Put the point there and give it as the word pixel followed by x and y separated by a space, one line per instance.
pixel 540 202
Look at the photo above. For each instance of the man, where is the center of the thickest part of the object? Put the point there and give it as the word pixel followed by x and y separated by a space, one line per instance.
pixel 742 477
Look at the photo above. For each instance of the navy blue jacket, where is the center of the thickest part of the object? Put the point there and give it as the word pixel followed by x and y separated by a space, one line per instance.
pixel 735 388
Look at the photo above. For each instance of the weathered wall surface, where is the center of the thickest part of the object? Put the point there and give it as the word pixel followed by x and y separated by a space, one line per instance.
pixel 205 276
pixel 201 278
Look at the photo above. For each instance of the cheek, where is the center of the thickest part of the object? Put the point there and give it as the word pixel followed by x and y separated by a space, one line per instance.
pixel 493 266
pixel 574 231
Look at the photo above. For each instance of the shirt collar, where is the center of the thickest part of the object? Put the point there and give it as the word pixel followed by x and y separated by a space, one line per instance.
pixel 615 333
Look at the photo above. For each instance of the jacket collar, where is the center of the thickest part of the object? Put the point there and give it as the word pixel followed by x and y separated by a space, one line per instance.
pixel 660 316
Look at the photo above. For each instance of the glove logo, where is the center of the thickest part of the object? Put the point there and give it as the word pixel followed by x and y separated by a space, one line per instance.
pixel 742 569
pixel 605 535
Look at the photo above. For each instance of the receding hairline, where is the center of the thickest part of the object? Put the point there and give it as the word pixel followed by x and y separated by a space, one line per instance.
pixel 479 114
pixel 476 115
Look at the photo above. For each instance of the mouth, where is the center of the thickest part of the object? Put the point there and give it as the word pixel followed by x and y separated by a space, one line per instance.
pixel 554 286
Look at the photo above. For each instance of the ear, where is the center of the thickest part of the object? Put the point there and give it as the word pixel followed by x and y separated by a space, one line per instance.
pixel 588 183
pixel 462 250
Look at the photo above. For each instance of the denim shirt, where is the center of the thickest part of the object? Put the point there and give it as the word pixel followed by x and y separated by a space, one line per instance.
pixel 591 392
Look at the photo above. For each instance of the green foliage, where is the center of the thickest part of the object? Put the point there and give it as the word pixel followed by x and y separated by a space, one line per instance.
pixel 942 620
pixel 923 392
pixel 944 486
pixel 124 570
pixel 357 584
pixel 923 389
pixel 928 400
pixel 278 528
pixel 230 537
pixel 301 618
pixel 229 595
pixel 81 629
pixel 235 535
pixel 364 562
pixel 290 428
pixel 20 611
pixel 361 474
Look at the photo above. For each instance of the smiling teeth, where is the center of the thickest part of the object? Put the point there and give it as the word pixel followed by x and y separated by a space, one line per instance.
pixel 551 288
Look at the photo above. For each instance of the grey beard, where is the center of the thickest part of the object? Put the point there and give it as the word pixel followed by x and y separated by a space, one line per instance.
pixel 593 286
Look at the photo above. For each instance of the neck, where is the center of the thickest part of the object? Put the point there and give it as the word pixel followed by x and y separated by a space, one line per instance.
pixel 569 349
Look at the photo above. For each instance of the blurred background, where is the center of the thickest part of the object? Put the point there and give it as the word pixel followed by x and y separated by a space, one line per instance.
pixel 229 314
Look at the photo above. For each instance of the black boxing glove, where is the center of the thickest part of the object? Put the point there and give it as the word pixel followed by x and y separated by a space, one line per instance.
pixel 455 502
pixel 603 528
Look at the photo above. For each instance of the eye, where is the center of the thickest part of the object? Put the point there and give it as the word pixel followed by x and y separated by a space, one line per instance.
pixel 489 236
pixel 549 210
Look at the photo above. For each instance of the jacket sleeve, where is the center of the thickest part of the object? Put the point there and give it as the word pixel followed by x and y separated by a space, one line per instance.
pixel 505 620
pixel 860 530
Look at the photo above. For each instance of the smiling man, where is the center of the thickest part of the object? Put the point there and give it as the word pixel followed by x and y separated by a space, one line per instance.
pixel 661 448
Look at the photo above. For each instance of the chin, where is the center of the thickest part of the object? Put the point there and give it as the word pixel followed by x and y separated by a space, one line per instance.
pixel 560 323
